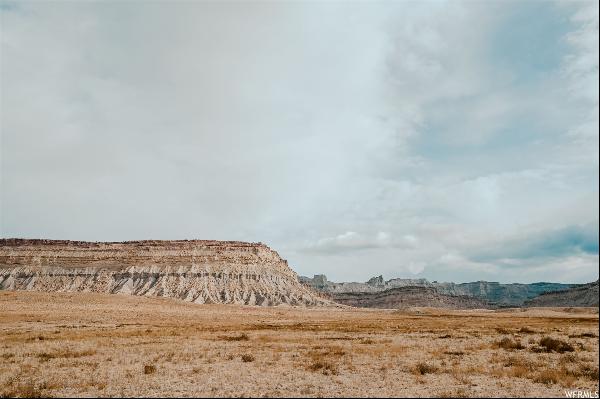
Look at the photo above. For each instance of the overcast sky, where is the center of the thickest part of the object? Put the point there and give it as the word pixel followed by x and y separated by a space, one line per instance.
pixel 456 141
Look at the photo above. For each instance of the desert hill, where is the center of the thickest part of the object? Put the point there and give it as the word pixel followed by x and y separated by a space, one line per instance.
pixel 584 295
pixel 409 296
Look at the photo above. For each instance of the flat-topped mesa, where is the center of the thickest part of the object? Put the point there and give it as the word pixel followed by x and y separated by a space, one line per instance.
pixel 202 271
pixel 223 256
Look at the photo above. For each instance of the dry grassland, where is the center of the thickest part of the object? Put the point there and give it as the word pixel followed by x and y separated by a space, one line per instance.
pixel 112 345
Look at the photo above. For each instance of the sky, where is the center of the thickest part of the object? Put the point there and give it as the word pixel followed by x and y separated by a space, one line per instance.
pixel 454 141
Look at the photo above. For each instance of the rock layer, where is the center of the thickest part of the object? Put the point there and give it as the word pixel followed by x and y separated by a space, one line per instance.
pixel 197 271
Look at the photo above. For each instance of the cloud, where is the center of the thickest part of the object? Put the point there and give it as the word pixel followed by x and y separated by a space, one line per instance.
pixel 350 241
pixel 575 268
pixel 566 241
pixel 356 138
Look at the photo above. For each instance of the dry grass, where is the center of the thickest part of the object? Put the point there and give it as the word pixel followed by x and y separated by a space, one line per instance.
pixel 325 359
pixel 101 345
pixel 65 353
pixel 24 390
pixel 509 344
pixel 457 393
pixel 570 370
pixel 551 377
pixel 590 372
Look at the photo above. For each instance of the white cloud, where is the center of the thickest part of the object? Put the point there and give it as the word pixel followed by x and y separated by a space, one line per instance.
pixel 351 240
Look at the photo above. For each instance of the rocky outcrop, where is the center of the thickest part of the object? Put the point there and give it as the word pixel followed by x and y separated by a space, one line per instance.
pixel 406 297
pixel 489 292
pixel 197 271
pixel 585 295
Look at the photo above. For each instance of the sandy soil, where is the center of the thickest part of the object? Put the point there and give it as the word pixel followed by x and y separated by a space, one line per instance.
pixel 69 344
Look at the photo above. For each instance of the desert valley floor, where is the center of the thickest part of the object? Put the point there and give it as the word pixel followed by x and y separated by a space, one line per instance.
pixel 81 344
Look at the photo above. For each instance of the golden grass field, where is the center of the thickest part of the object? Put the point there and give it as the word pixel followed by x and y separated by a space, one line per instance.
pixel 77 344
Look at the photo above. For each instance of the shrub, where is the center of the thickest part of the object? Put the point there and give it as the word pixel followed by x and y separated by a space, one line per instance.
pixel 424 368
pixel 526 330
pixel 149 369
pixel 44 357
pixel 589 372
pixel 584 335
pixel 550 344
pixel 454 353
pixel 326 368
pixel 241 337
pixel 247 357
pixel 568 358
pixel 514 361
pixel 509 344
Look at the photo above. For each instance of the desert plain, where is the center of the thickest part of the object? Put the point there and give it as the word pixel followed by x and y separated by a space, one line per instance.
pixel 87 345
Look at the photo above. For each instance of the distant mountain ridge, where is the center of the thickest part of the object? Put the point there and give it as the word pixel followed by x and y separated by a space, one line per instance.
pixel 501 295
pixel 581 295
pixel 410 296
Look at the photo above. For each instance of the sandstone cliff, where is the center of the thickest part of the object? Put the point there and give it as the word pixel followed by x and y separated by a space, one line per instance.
pixel 197 271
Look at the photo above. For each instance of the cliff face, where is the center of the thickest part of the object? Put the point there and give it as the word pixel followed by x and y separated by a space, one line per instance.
pixel 196 271
pixel 486 291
